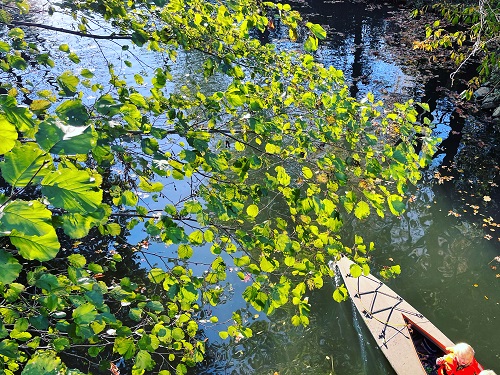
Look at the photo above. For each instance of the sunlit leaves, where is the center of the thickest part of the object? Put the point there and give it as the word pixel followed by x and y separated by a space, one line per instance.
pixel 9 267
pixel 340 294
pixel 25 164
pixel 396 204
pixel 150 186
pixel 185 251
pixel 317 30
pixel 390 272
pixel 28 224
pixel 43 363
pixel 311 44
pixel 362 210
pixel 68 83
pixel 8 134
pixel 253 210
pixel 124 346
pixel 73 190
pixel 58 138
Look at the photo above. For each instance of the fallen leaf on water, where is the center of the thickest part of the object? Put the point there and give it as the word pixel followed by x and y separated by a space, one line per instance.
pixel 487 198
pixel 498 275
pixel 475 285
pixel 486 298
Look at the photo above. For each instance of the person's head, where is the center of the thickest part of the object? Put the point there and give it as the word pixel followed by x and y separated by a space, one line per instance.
pixel 487 372
pixel 463 353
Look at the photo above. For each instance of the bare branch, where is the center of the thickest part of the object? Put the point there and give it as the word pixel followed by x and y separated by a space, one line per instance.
pixel 66 31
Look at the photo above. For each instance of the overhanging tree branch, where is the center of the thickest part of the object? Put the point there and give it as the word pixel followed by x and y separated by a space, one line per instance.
pixel 66 31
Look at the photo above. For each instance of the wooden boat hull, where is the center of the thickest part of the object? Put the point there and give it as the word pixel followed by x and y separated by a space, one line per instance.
pixel 388 318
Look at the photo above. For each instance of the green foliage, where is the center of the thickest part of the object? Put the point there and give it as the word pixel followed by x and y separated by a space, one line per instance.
pixel 281 130
pixel 476 37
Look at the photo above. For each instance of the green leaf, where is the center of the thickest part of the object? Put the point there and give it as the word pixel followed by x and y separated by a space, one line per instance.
pixel 178 334
pixel 223 335
pixel 73 112
pixel 362 210
pixel 41 248
pixel 40 105
pixel 73 190
pixel 60 343
pixel 196 237
pixel 155 306
pixel 8 135
pixel 396 204
pixel 311 44
pixel 46 363
pixel 355 270
pixel 68 83
pixel 28 226
pixel 317 30
pixel 268 265
pixel 144 361
pixel 185 251
pixel 138 100
pixel 9 267
pixel 149 186
pixel 85 314
pixel 235 97
pixel 340 294
pixel 58 138
pixel 25 164
pixel 8 348
pixel 18 115
pixel 77 260
pixel 252 210
pixel 135 313
pixel 86 73
pixel 77 225
pixel 125 347
pixel 307 172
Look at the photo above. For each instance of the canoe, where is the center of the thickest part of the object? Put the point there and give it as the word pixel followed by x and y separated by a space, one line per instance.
pixel 408 339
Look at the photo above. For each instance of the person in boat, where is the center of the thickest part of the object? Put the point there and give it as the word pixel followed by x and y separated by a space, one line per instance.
pixel 487 372
pixel 459 361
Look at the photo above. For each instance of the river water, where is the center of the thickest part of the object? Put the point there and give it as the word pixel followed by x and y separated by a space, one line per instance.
pixel 445 251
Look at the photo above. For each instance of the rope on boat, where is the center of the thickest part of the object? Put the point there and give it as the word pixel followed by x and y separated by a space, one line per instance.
pixel 369 313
